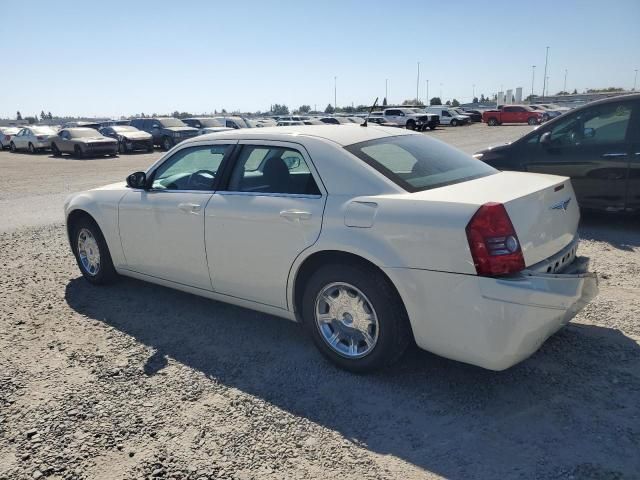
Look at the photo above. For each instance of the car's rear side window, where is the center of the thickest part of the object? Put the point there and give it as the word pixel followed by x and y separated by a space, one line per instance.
pixel 416 162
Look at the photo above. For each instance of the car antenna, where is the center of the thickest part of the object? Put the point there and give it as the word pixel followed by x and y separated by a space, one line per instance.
pixel 364 124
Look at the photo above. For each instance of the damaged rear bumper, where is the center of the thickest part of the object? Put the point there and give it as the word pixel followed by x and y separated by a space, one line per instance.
pixel 492 322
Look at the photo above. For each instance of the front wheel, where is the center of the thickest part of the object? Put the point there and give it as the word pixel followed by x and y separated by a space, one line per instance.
pixel 411 125
pixel 355 317
pixel 77 152
pixel 12 147
pixel 91 252
pixel 454 123
pixel 532 121
pixel 432 127
pixel 55 150
pixel 122 146
pixel 167 143
pixel 492 122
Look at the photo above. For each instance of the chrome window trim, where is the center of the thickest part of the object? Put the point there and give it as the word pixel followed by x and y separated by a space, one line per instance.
pixel 269 194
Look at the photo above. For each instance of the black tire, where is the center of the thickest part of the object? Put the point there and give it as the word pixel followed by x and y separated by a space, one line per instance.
pixel 55 150
pixel 432 127
pixel 532 121
pixel 411 125
pixel 122 147
pixel 394 333
pixel 106 273
pixel 492 122
pixel 32 149
pixel 167 143
pixel 150 148
pixel 77 152
pixel 454 123
pixel 12 147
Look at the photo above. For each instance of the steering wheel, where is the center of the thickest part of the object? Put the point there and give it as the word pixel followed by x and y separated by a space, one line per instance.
pixel 202 179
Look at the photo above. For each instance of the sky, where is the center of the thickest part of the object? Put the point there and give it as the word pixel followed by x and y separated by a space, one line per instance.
pixel 107 59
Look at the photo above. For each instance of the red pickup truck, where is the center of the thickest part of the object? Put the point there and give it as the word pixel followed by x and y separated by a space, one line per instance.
pixel 512 114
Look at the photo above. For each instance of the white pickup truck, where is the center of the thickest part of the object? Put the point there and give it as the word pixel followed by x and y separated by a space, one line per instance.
pixel 411 118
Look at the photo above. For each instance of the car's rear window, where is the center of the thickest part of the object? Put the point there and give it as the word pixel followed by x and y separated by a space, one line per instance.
pixel 416 162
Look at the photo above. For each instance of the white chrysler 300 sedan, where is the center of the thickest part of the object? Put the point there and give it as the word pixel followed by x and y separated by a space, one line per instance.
pixel 370 236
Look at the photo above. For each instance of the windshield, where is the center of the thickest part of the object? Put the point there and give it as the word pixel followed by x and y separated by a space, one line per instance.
pixel 210 122
pixel 124 128
pixel 416 162
pixel 171 122
pixel 44 130
pixel 83 132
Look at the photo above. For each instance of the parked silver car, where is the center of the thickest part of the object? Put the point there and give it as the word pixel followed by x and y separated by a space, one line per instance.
pixel 34 139
pixel 6 135
pixel 83 142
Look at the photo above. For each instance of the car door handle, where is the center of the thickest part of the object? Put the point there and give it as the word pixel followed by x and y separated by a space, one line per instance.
pixel 190 207
pixel 295 215
pixel 614 155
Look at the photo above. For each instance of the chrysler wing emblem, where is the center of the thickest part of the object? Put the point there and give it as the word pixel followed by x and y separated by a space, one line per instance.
pixel 561 205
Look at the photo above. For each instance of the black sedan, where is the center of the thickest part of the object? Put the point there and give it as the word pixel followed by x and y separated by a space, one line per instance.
pixel 597 145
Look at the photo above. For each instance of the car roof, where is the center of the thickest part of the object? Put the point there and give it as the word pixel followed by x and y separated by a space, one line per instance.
pixel 341 134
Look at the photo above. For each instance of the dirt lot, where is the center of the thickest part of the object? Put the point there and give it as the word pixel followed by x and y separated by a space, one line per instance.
pixel 139 381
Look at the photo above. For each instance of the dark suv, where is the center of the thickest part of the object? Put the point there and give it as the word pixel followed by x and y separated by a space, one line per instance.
pixel 166 132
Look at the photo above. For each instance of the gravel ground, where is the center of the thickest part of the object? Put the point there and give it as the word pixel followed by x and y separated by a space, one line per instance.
pixel 138 381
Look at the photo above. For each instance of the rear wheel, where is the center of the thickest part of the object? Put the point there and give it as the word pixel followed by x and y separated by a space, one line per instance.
pixel 55 150
pixel 454 123
pixel 167 143
pixel 77 152
pixel 355 317
pixel 532 121
pixel 411 125
pixel 91 252
pixel 32 149
pixel 492 122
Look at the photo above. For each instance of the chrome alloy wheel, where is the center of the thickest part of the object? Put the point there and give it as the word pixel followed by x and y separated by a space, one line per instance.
pixel 89 252
pixel 346 320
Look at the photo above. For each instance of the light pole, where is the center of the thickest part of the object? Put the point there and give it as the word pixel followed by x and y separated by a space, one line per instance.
pixel 635 80
pixel 565 80
pixel 418 85
pixel 335 93
pixel 533 77
pixel 546 62
pixel 427 92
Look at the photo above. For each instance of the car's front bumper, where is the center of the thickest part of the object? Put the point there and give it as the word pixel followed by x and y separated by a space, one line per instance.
pixel 491 322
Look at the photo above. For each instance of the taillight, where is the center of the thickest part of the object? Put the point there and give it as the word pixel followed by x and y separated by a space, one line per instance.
pixel 493 242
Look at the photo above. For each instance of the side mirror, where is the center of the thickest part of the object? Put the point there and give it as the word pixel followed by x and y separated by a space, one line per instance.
pixel 137 180
pixel 589 133
pixel 545 139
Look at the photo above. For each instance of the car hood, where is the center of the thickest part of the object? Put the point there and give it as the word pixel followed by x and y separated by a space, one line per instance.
pixel 112 186
pixel 494 148
pixel 136 135
pixel 180 129
pixel 215 129
pixel 93 139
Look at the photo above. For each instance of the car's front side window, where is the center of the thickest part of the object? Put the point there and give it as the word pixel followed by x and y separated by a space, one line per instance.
pixel 272 169
pixel 193 168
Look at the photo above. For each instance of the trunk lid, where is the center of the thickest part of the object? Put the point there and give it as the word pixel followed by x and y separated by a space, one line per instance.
pixel 542 208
